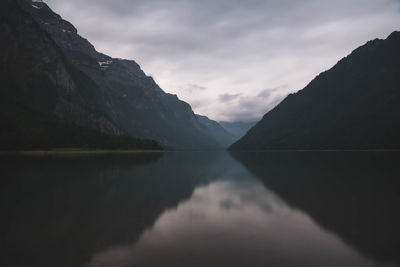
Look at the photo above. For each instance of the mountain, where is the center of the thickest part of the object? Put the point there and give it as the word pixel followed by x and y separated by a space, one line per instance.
pixel 354 105
pixel 237 128
pixel 219 133
pixel 44 101
pixel 120 90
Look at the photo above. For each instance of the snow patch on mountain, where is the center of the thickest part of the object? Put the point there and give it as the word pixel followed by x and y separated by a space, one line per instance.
pixel 105 64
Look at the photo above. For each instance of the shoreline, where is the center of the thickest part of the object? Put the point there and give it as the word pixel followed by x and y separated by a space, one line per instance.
pixel 317 150
pixel 143 151
pixel 75 152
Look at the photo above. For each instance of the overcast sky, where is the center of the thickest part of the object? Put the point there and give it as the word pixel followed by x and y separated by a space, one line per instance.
pixel 231 59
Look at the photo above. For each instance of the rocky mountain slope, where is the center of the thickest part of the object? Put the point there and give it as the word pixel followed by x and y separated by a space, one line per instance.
pixel 44 100
pixel 354 105
pixel 122 91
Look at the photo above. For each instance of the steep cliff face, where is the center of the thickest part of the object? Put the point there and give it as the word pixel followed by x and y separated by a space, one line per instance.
pixel 354 105
pixel 121 90
pixel 35 73
pixel 42 95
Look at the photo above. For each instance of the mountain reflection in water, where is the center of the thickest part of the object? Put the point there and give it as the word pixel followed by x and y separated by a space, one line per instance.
pixel 190 209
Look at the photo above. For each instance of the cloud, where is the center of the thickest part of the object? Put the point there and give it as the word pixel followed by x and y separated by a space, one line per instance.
pixel 193 88
pixel 231 46
pixel 195 104
pixel 228 97
pixel 245 107
pixel 249 107
pixel 252 108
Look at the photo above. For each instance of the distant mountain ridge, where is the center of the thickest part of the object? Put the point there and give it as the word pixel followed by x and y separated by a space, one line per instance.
pixel 219 133
pixel 237 128
pixel 354 105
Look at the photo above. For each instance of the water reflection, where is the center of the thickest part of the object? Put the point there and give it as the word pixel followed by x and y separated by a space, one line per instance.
pixel 227 223
pixel 191 209
pixel 356 195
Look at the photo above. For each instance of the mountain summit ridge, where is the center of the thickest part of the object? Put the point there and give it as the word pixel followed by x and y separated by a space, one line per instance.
pixel 43 98
pixel 128 101
pixel 353 105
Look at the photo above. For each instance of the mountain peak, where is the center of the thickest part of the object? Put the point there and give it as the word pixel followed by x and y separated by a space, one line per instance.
pixel 120 89
pixel 354 105
pixel 394 35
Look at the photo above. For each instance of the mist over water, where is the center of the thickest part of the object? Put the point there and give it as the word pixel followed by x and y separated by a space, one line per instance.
pixel 202 209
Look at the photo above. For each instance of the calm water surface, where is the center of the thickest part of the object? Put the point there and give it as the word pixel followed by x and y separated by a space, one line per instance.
pixel 202 209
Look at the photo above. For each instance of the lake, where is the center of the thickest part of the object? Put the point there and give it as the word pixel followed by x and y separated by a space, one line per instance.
pixel 201 209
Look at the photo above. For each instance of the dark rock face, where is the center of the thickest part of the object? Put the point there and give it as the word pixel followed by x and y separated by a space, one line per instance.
pixel 35 74
pixel 354 105
pixel 122 91
pixel 44 100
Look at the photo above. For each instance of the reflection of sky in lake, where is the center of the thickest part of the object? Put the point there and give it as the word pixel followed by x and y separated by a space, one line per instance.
pixel 233 223
pixel 202 209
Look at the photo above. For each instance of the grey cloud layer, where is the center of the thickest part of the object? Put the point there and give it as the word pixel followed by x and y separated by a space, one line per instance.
pixel 206 51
